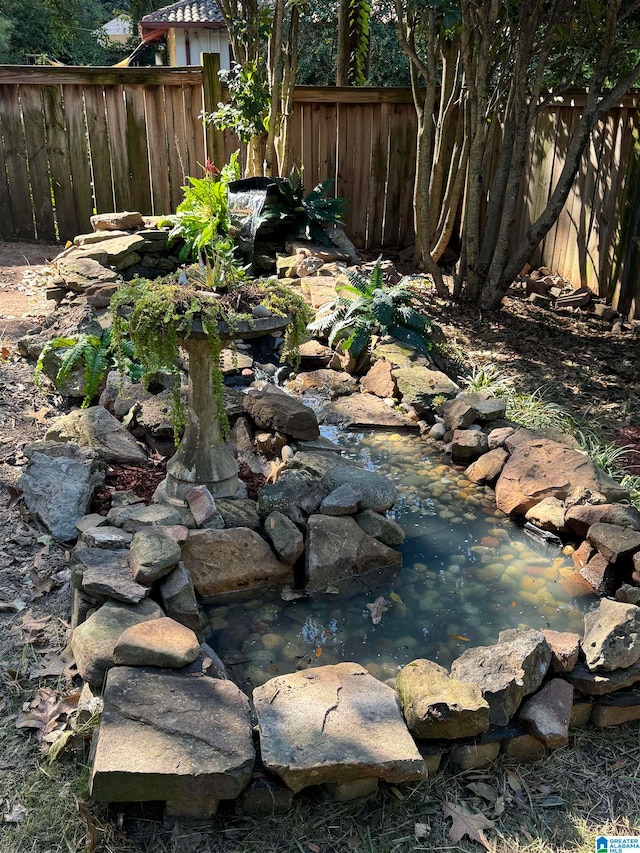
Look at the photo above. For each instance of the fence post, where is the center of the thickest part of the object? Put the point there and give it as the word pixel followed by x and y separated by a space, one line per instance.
pixel 212 96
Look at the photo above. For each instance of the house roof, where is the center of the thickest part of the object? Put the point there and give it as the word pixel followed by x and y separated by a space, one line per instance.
pixel 184 13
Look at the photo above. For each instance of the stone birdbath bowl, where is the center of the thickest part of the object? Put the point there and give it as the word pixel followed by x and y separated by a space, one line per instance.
pixel 203 458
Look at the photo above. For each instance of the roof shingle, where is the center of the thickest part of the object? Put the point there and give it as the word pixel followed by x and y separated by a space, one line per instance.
pixel 187 12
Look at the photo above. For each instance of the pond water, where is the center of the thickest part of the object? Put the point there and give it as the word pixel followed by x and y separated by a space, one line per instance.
pixel 468 573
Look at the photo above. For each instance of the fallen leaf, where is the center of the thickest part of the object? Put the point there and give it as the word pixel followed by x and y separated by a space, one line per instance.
pixel 15 496
pixel 499 806
pixel 313 848
pixel 486 792
pixel 395 597
pixel 42 584
pixel 44 712
pixel 377 608
pixel 513 781
pixel 397 793
pixel 16 815
pixel 5 352
pixel 59 744
pixel 30 628
pixel 91 840
pixel 40 416
pixel 50 666
pixel 552 802
pixel 467 823
pixel 618 764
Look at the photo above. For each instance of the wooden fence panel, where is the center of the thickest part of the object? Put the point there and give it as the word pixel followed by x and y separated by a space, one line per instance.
pixel 78 140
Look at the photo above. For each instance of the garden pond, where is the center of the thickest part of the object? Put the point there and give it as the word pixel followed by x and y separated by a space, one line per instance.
pixel 468 573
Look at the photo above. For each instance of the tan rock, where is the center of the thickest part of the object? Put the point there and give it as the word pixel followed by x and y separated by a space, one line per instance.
pixel 160 642
pixel 547 714
pixel 523 748
pixel 487 468
pixel 565 648
pixel 438 706
pixel 366 411
pixel 380 380
pixel 116 221
pixel 474 755
pixel 548 515
pixel 612 636
pixel 334 724
pixel 225 560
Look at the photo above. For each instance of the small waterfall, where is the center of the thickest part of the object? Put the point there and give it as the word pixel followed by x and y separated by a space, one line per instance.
pixel 246 202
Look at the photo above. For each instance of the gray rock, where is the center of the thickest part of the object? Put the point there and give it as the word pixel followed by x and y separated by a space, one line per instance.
pixel 507 671
pixel 153 555
pixel 316 462
pixel 97 429
pixel 93 642
pixel 106 537
pixel 334 724
pixel 138 516
pixel 467 444
pixel 271 408
pixel 438 706
pixel 81 272
pixel 437 432
pixel 90 521
pixel 295 493
pixel 612 636
pixel 488 467
pixel 287 541
pixel 178 598
pixel 338 549
pixel 386 530
pixel 170 737
pixel 628 594
pixel 160 642
pixel 97 237
pixel 105 574
pixel 117 221
pixel 343 500
pixel 547 714
pixel 239 512
pixel 614 542
pixel 234 559
pixel 580 518
pixel 58 484
pixel 601 683
pixel 472 408
pixel 378 492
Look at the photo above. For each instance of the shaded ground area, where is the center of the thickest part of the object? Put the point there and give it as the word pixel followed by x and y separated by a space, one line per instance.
pixel 559 805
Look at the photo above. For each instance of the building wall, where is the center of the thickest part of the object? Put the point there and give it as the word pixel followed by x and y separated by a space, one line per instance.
pixel 199 41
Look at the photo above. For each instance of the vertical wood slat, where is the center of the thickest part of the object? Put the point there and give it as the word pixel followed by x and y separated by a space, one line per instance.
pixel 79 155
pixel 118 151
pixel 15 176
pixel 137 153
pixel 193 106
pixel 60 160
pixel 212 96
pixel 34 132
pixel 176 143
pixel 157 150
pixel 379 170
pixel 100 158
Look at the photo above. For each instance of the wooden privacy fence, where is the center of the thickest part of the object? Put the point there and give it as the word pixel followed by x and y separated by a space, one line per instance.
pixel 74 141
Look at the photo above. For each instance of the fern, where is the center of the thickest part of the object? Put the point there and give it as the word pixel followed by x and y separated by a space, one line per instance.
pixel 374 309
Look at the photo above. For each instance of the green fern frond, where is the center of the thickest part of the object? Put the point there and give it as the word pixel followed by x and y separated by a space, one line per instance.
pixel 82 348
pixel 56 343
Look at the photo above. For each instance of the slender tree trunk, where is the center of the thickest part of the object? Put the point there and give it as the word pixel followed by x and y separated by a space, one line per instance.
pixel 274 70
pixel 342 63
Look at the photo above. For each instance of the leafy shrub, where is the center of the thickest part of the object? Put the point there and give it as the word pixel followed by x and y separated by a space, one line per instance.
pixel 202 217
pixel 376 309
pixel 306 213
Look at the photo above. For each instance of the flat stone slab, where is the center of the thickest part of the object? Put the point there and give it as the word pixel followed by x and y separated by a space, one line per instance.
pixel 580 518
pixel 334 724
pixel 169 737
pixel 437 706
pixel 105 574
pixel 239 512
pixel 234 559
pixel 601 683
pixel 364 411
pixel 159 642
pixel 271 408
pixel 333 383
pixel 614 542
pixel 137 516
pixel 105 536
pixel 385 529
pixel 93 642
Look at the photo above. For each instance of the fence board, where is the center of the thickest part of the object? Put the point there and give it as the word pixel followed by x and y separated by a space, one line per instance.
pixel 118 151
pixel 21 220
pixel 34 132
pixel 59 163
pixel 195 142
pixel 176 138
pixel 79 155
pixel 157 145
pixel 100 159
pixel 137 153
pixel 379 173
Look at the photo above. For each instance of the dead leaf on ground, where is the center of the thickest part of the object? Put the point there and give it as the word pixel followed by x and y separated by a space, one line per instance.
pixel 30 628
pixel 513 781
pixel 484 791
pixel 42 584
pixel 466 822
pixel 40 416
pixel 51 665
pixel 15 496
pixel 16 815
pixel 377 608
pixel 421 831
pixel 91 841
pixel 44 712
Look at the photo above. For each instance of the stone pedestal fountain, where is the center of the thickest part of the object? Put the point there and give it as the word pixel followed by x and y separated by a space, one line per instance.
pixel 203 458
